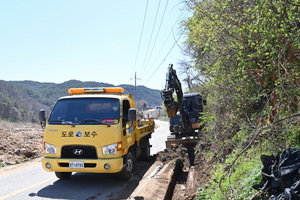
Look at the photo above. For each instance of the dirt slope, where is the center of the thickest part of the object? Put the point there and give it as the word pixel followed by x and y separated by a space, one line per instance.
pixel 19 142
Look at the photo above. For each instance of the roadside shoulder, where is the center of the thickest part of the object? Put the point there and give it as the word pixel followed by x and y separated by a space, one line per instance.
pixel 18 167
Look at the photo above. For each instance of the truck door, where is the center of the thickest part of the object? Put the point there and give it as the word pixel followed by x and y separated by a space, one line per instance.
pixel 127 126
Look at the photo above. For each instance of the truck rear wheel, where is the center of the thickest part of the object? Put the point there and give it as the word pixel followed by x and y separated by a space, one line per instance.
pixel 146 150
pixel 127 169
pixel 63 175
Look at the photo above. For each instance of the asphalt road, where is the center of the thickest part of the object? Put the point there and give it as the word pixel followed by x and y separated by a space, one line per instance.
pixel 30 181
pixel 159 136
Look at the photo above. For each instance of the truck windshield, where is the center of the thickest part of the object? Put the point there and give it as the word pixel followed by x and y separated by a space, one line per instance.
pixel 85 111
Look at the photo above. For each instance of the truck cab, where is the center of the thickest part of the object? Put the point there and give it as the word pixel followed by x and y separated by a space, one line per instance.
pixel 93 131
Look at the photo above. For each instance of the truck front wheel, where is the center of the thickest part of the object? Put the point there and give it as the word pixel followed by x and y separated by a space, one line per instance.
pixel 127 169
pixel 63 175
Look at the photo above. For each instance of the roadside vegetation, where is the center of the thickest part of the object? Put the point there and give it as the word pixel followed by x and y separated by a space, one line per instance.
pixel 245 59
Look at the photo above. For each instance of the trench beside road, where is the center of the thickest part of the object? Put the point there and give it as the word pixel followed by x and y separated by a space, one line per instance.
pixel 160 181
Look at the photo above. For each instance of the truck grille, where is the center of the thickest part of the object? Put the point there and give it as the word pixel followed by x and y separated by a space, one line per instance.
pixel 79 151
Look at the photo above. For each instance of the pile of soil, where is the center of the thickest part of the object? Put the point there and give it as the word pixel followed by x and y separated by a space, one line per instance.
pixel 19 142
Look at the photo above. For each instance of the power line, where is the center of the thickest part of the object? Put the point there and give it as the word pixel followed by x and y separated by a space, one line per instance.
pixel 153 27
pixel 167 54
pixel 146 68
pixel 155 38
pixel 171 31
pixel 137 53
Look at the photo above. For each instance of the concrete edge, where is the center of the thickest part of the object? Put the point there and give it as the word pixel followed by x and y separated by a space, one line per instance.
pixel 157 183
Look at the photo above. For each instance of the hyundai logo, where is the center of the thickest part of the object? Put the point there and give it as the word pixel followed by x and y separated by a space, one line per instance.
pixel 78 152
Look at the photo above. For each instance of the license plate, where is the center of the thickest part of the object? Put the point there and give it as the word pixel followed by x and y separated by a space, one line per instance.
pixel 76 164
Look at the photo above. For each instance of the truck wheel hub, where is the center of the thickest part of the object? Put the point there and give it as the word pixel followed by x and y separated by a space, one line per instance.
pixel 129 165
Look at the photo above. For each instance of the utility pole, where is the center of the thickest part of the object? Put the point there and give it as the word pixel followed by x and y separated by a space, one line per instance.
pixel 135 78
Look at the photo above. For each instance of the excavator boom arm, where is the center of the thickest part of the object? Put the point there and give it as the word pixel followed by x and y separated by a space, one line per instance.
pixel 173 85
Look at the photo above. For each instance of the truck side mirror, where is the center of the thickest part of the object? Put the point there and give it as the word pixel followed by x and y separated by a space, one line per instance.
pixel 42 118
pixel 204 102
pixel 131 114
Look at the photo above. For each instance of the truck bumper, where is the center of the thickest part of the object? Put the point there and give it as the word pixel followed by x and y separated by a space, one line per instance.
pixel 90 165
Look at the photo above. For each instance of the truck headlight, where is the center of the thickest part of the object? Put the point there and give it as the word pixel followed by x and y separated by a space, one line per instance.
pixel 112 149
pixel 50 148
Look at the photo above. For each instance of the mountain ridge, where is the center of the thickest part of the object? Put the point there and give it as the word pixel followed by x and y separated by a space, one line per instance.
pixel 22 100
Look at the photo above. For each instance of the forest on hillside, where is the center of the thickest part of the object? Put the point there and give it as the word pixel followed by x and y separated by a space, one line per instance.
pixel 22 100
pixel 244 57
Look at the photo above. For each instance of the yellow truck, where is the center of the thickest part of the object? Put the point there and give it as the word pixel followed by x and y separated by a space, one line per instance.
pixel 94 130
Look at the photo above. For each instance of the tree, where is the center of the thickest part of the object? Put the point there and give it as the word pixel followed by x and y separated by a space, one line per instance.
pixel 192 76
pixel 249 52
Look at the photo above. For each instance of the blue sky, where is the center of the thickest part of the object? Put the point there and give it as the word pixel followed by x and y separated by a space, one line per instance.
pixel 90 40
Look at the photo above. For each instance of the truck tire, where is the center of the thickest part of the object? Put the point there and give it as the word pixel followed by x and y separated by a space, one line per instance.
pixel 146 150
pixel 127 169
pixel 63 175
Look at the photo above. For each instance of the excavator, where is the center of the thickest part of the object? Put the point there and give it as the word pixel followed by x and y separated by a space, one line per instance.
pixel 184 114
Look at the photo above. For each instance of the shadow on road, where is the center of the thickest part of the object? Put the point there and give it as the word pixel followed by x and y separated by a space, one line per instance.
pixel 90 186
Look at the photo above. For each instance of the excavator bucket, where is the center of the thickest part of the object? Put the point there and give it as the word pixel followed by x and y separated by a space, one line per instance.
pixel 172 110
pixel 171 140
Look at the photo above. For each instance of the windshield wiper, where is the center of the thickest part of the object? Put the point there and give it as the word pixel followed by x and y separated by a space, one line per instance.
pixel 59 120
pixel 95 120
